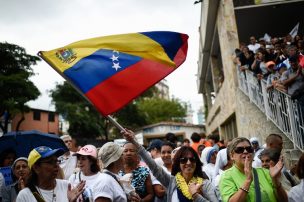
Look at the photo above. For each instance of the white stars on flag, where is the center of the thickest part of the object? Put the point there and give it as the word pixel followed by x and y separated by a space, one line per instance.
pixel 115 56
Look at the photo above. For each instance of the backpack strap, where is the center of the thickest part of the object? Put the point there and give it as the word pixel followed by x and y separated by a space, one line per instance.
pixel 112 175
pixel 36 194
pixel 289 178
pixel 258 197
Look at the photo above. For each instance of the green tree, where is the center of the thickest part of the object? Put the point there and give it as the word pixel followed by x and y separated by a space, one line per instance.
pixel 83 118
pixel 86 121
pixel 130 116
pixel 156 110
pixel 17 89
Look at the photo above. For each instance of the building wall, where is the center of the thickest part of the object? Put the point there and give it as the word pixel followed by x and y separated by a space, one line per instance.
pixel 158 131
pixel 229 101
pixel 42 125
pixel 224 104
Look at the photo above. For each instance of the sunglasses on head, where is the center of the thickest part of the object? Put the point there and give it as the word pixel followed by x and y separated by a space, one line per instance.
pixel 184 160
pixel 240 150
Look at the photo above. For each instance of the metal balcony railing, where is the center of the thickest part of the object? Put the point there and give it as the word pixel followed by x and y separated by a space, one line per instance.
pixel 285 113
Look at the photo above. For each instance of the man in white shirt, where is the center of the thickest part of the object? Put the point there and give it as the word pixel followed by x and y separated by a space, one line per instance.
pixel 68 162
pixel 253 46
pixel 154 149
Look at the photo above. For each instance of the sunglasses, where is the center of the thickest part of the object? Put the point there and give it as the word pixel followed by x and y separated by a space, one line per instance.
pixel 240 150
pixel 185 160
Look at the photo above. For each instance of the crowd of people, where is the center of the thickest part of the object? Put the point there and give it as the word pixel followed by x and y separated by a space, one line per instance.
pixel 279 61
pixel 200 169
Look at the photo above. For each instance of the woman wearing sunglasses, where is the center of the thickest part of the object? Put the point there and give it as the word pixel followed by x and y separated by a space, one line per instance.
pixel 186 182
pixel 243 183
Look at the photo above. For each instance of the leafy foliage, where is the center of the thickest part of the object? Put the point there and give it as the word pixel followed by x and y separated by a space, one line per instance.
pixel 17 89
pixel 156 110
pixel 83 118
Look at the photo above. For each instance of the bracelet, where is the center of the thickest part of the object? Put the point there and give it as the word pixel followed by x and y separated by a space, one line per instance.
pixel 245 190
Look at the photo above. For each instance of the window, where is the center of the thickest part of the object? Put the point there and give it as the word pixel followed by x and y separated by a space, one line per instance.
pixel 51 116
pixel 36 115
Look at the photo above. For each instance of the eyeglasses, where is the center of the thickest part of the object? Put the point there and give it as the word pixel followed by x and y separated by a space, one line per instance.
pixel 185 160
pixel 240 150
pixel 51 162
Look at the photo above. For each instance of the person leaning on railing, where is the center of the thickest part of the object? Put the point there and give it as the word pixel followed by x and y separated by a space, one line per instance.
pixel 243 183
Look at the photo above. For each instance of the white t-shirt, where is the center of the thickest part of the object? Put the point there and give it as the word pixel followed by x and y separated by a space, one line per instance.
pixel 90 182
pixel 257 163
pixel 254 47
pixel 60 193
pixel 109 188
pixel 68 164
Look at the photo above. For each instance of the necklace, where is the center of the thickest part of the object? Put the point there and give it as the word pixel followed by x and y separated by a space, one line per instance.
pixel 53 194
pixel 183 186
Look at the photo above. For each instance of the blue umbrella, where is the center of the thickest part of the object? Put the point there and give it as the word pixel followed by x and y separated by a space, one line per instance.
pixel 23 142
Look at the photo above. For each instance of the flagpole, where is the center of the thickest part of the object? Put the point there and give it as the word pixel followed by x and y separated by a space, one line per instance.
pixel 110 118
pixel 115 123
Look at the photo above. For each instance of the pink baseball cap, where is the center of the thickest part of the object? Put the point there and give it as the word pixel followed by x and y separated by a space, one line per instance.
pixel 88 150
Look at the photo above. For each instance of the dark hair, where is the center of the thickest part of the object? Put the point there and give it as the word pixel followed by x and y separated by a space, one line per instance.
pixel 203 135
pixel 186 140
pixel 32 179
pixel 176 161
pixel 195 137
pixel 214 137
pixel 94 166
pixel 272 136
pixel 170 144
pixel 171 137
pixel 273 154
pixel 136 149
pixel 199 147
pixel 300 167
pixel 4 154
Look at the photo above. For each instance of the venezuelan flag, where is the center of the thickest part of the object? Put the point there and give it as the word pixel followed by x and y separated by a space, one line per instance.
pixel 112 70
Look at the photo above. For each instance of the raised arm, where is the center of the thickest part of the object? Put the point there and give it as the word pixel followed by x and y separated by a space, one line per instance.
pixel 156 170
pixel 275 173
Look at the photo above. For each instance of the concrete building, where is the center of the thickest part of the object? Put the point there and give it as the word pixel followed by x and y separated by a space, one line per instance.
pixel 163 89
pixel 37 119
pixel 159 131
pixel 201 116
pixel 225 23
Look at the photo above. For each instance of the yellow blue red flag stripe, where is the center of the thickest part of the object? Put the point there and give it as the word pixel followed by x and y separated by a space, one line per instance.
pixel 112 70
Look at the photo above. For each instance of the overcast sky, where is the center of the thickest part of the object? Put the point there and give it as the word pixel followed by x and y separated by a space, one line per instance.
pixel 45 25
